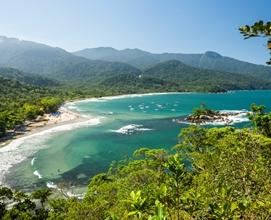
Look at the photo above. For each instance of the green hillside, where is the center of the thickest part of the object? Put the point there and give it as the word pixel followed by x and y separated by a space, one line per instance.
pixel 175 76
pixel 94 71
pixel 27 78
pixel 191 78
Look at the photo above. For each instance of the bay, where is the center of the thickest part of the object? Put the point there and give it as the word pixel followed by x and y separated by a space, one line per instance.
pixel 73 156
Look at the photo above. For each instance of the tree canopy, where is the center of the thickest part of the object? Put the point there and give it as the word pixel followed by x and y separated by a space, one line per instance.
pixel 258 29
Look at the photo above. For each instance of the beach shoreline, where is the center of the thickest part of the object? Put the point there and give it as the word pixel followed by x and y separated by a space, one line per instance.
pixel 62 117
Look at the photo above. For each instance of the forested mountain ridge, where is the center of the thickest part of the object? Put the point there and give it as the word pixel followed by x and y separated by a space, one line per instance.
pixel 112 72
pixel 55 62
pixel 209 60
pixel 135 57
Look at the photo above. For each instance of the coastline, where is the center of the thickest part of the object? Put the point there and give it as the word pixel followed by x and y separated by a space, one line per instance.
pixel 105 98
pixel 47 121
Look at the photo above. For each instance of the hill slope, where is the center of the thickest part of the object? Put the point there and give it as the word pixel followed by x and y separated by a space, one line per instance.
pixel 178 72
pixel 27 78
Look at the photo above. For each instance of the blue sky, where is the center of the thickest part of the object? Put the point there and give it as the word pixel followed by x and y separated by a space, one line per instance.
pixel 187 26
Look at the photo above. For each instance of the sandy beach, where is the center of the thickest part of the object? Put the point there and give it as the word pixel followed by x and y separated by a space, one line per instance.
pixel 47 121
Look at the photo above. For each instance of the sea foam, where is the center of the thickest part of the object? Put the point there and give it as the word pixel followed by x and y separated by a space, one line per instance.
pixel 51 185
pixel 36 173
pixel 130 129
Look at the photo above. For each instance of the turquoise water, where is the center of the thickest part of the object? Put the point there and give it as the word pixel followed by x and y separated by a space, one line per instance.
pixel 73 156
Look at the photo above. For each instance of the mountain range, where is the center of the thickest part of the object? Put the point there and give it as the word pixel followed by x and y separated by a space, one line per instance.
pixel 127 71
pixel 143 60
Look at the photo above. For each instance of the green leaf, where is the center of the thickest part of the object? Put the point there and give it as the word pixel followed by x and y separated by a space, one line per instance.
pixel 234 205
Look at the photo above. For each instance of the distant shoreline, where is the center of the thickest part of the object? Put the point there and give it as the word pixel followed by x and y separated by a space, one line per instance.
pixel 111 97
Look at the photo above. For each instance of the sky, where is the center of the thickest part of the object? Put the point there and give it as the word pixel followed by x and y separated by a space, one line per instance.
pixel 183 26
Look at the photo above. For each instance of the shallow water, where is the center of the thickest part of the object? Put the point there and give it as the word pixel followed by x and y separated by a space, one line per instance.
pixel 73 156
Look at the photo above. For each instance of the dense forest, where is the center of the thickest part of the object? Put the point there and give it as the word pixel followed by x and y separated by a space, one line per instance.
pixel 215 173
pixel 19 102
pixel 24 97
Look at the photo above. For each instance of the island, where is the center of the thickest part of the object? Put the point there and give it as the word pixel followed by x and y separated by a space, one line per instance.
pixel 204 115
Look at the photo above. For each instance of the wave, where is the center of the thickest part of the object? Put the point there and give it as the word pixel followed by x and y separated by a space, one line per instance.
pixel 51 185
pixel 159 106
pixel 22 148
pixel 33 161
pixel 72 107
pixel 36 173
pixel 130 129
